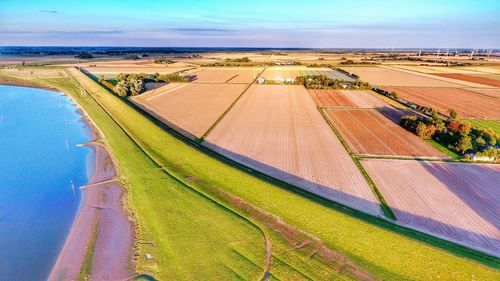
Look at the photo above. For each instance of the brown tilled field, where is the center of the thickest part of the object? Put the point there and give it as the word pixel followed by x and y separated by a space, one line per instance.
pixel 382 76
pixel 331 98
pixel 456 201
pixel 469 104
pixel 367 131
pixel 190 107
pixel 470 78
pixel 225 75
pixel 277 130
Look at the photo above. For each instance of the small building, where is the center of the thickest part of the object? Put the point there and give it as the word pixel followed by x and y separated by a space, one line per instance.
pixel 290 80
pixel 261 80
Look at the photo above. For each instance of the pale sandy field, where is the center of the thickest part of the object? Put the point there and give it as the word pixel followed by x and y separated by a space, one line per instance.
pixel 225 75
pixel 190 107
pixel 277 130
pixel 456 201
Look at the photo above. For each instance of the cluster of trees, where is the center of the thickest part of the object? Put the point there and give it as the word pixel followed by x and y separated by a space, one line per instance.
pixel 164 61
pixel 243 59
pixel 135 83
pixel 457 135
pixel 130 84
pixel 325 82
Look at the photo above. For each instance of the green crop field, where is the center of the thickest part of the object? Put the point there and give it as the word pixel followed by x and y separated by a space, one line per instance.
pixel 186 221
pixel 487 124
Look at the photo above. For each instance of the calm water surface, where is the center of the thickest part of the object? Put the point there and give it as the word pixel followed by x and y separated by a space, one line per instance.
pixel 41 168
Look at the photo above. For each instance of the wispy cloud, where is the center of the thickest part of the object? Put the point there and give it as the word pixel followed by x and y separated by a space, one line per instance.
pixel 49 11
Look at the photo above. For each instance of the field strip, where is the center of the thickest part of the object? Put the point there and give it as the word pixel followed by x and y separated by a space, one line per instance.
pixel 173 176
pixel 229 108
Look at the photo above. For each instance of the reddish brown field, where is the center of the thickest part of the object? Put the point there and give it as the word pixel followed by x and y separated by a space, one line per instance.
pixel 470 78
pixel 469 104
pixel 190 107
pixel 331 98
pixel 278 130
pixel 367 131
pixel 345 98
pixel 456 201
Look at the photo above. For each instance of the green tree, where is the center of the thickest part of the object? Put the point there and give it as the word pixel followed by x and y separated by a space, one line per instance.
pixel 122 88
pixel 453 114
pixel 464 144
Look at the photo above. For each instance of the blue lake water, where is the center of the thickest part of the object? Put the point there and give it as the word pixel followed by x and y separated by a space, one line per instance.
pixel 41 168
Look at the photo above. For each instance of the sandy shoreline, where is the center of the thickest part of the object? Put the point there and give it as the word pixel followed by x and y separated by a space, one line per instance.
pixel 101 222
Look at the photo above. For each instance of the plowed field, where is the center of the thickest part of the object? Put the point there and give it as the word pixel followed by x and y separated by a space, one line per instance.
pixel 457 201
pixel 190 107
pixel 470 78
pixel 367 131
pixel 469 104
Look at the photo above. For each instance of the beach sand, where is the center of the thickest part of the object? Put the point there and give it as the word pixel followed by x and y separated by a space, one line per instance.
pixel 101 224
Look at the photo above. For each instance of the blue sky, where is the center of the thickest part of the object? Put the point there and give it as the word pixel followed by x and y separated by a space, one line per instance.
pixel 322 24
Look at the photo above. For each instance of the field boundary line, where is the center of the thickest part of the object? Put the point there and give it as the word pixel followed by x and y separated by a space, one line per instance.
pixel 383 203
pixel 447 246
pixel 231 78
pixel 202 138
pixel 179 180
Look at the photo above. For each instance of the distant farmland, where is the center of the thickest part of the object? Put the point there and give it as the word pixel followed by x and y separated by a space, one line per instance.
pixel 277 129
pixel 369 132
pixel 457 201
pixel 471 78
pixel 382 76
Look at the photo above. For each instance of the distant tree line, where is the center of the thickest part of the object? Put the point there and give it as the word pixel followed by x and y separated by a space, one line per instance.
pixel 325 82
pixel 163 61
pixel 455 134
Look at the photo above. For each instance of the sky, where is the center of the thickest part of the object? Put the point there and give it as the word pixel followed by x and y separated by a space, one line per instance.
pixel 256 23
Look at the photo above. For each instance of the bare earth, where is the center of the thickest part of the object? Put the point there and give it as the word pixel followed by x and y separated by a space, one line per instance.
pixel 469 104
pixel 367 131
pixel 190 107
pixel 277 130
pixel 102 216
pixel 455 201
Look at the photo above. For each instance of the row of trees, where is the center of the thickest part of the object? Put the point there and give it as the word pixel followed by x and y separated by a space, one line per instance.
pixel 325 82
pixel 456 134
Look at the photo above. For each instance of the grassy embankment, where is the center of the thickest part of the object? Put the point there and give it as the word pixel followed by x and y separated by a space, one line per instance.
pixel 370 243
